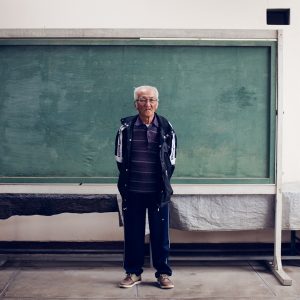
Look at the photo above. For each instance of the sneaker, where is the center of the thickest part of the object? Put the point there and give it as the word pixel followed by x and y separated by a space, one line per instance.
pixel 130 280
pixel 165 282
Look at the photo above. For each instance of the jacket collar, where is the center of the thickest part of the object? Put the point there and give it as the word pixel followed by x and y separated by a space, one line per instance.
pixel 139 122
pixel 162 122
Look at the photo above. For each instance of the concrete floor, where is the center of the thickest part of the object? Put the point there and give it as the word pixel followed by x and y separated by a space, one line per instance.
pixel 99 280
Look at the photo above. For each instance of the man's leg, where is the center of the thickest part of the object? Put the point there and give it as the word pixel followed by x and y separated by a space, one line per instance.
pixel 159 236
pixel 134 234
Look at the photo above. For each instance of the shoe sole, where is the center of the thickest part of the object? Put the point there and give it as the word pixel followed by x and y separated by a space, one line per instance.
pixel 129 286
pixel 165 287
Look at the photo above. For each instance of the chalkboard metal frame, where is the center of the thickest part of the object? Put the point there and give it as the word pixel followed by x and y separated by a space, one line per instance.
pixel 136 42
pixel 272 45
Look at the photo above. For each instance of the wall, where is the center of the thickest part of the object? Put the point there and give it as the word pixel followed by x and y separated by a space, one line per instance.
pixel 194 14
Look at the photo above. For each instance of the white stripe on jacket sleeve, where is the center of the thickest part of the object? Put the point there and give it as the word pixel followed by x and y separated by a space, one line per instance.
pixel 173 147
pixel 119 154
pixel 173 150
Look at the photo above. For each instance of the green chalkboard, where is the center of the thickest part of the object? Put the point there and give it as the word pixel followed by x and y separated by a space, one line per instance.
pixel 61 102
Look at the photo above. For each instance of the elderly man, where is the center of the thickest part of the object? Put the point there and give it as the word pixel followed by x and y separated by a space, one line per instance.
pixel 145 154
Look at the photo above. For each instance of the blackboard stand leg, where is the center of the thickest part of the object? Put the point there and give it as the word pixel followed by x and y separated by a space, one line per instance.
pixel 277 264
pixel 281 276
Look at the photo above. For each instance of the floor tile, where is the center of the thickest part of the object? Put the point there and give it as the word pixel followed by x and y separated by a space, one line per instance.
pixel 5 276
pixel 208 281
pixel 279 290
pixel 69 283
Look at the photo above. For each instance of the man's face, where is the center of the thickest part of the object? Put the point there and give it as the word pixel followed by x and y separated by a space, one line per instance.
pixel 146 104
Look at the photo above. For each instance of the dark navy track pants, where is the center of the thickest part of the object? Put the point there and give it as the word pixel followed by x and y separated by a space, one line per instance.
pixel 134 233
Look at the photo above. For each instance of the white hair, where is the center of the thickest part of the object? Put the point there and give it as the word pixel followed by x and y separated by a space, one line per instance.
pixel 143 87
